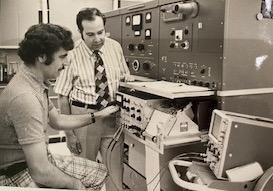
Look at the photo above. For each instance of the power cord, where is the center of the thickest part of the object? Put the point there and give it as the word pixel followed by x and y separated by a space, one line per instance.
pixel 109 150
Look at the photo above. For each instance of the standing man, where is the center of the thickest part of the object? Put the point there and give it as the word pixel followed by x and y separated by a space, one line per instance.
pixel 26 111
pixel 96 67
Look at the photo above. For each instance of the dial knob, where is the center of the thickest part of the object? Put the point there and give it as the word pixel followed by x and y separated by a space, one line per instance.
pixel 131 47
pixel 146 66
pixel 172 45
pixel 138 118
pixel 185 45
pixel 140 47
pixel 203 71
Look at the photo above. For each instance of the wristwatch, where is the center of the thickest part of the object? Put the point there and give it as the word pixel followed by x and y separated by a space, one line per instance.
pixel 93 117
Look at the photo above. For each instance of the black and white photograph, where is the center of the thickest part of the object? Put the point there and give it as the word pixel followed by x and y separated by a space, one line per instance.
pixel 136 95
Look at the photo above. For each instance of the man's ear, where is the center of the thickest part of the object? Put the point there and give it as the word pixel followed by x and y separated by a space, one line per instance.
pixel 42 59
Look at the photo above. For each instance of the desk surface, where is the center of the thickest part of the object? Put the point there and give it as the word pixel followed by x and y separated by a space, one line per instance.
pixel 169 90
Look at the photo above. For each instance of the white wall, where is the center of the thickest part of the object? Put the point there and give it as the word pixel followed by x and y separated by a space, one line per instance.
pixel 9 22
pixel 0 25
pixel 16 16
pixel 63 12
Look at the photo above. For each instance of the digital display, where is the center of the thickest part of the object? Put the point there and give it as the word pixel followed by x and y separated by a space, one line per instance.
pixel 118 98
pixel 148 34
pixel 148 17
pixel 137 33
pixel 216 126
pixel 128 20
pixel 136 20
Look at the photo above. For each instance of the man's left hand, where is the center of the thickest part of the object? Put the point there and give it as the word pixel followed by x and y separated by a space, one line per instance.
pixel 129 78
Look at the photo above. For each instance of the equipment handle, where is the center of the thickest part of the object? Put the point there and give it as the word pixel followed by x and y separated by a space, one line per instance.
pixel 177 18
pixel 136 7
pixel 182 183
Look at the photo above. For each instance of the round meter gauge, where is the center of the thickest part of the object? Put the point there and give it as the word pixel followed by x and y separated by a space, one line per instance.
pixel 148 17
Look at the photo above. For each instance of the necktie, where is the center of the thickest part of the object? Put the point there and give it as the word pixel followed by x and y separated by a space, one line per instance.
pixel 102 89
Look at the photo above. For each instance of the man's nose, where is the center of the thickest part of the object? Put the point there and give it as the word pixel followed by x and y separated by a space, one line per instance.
pixel 64 65
pixel 65 62
pixel 97 38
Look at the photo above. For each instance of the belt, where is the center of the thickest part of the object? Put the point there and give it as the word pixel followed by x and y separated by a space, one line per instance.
pixel 87 106
pixel 13 169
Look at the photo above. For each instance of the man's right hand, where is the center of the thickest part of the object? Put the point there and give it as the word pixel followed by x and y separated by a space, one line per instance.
pixel 106 111
pixel 74 144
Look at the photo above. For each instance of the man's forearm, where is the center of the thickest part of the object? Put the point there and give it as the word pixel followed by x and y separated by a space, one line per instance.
pixel 64 105
pixel 55 178
pixel 65 109
pixel 70 122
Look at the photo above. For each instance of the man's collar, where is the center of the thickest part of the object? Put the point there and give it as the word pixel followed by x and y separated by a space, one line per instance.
pixel 37 82
pixel 94 52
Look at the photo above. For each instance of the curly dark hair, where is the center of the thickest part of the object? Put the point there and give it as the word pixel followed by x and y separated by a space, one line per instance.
pixel 88 14
pixel 44 39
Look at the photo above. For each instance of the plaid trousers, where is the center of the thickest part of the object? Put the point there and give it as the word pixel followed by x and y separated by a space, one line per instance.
pixel 90 173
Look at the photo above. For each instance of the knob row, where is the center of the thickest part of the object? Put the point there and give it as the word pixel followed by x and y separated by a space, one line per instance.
pixel 133 47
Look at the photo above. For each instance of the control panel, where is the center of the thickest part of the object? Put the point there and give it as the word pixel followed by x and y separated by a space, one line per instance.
pixel 136 112
pixel 216 144
pixel 236 139
pixel 140 39
pixel 190 42
pixel 198 43
pixel 157 122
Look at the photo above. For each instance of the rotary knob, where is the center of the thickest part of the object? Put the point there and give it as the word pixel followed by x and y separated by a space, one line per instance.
pixel 146 66
pixel 172 45
pixel 131 47
pixel 140 47
pixel 203 71
pixel 185 45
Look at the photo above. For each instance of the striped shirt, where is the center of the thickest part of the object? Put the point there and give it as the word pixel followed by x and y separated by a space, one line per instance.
pixel 78 80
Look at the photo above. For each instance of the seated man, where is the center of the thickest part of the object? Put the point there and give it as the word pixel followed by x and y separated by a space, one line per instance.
pixel 26 111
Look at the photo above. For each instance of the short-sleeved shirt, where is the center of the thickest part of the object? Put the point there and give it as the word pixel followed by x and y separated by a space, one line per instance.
pixel 24 107
pixel 78 80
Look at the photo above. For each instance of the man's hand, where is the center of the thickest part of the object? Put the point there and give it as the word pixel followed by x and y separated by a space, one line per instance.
pixel 128 78
pixel 74 144
pixel 106 111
